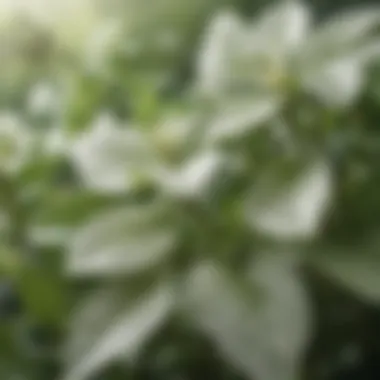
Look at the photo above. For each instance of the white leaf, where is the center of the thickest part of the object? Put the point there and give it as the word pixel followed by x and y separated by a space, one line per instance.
pixel 368 52
pixel 264 337
pixel 221 41
pixel 50 235
pixel 339 36
pixel 296 212
pixel 195 177
pixel 236 119
pixel 284 26
pixel 276 274
pixel 337 84
pixel 347 27
pixel 122 241
pixel 90 319
pixel 109 329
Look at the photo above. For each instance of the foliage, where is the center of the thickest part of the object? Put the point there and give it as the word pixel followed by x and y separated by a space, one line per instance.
pixel 188 189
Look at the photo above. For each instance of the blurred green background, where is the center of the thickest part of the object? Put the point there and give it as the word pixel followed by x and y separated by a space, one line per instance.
pixel 36 297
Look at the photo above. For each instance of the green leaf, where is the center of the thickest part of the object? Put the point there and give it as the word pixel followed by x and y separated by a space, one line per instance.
pixel 56 216
pixel 356 269
pixel 68 207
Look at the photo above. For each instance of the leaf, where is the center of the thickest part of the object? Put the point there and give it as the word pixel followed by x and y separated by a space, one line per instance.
pixel 367 52
pixel 263 336
pixel 283 26
pixel 291 212
pixel 332 62
pixel 68 207
pixel 236 119
pixel 196 177
pixel 357 269
pixel 339 35
pixel 123 241
pixel 60 213
pixel 57 235
pixel 221 40
pixel 338 83
pixel 109 328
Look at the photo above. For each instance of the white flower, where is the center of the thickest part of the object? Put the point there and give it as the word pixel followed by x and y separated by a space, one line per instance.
pixel 278 50
pixel 240 58
pixel 15 143
pixel 113 158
